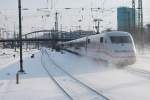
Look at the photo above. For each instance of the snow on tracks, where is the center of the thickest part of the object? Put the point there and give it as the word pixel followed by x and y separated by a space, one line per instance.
pixel 73 88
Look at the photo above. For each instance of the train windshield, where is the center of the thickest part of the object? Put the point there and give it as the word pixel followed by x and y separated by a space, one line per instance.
pixel 120 39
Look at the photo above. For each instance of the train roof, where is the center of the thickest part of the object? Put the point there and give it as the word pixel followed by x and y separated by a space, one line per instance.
pixel 116 33
pixel 104 34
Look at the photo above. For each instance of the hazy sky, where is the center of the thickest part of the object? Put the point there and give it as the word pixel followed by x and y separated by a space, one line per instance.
pixel 33 19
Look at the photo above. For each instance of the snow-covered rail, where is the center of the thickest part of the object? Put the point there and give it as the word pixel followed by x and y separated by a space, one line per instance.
pixel 51 77
pixel 95 95
pixel 139 72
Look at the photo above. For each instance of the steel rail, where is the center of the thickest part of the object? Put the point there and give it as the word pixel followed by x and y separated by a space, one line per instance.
pixel 51 77
pixel 88 87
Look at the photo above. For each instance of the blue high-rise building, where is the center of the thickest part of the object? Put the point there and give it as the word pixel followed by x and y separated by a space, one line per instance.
pixel 126 19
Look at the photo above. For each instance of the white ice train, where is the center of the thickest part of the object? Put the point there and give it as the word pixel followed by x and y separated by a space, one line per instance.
pixel 115 47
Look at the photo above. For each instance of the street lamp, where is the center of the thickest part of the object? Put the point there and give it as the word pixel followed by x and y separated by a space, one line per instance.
pixel 20 36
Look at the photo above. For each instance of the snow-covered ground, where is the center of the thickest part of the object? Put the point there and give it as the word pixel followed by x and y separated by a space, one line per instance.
pixel 143 60
pixel 114 83
pixel 34 85
pixel 9 56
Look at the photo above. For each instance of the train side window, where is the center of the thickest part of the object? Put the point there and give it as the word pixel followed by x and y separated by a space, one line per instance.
pixel 70 44
pixel 101 39
pixel 62 45
pixel 88 41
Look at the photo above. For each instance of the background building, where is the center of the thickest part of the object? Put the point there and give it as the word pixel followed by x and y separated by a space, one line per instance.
pixel 126 19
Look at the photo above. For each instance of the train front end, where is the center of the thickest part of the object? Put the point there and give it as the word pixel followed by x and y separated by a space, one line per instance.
pixel 123 48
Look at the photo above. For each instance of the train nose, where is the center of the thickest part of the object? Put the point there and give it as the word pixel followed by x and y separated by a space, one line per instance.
pixel 126 61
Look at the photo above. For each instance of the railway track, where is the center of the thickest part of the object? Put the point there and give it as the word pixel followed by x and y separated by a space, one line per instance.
pixel 51 77
pixel 139 72
pixel 63 83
